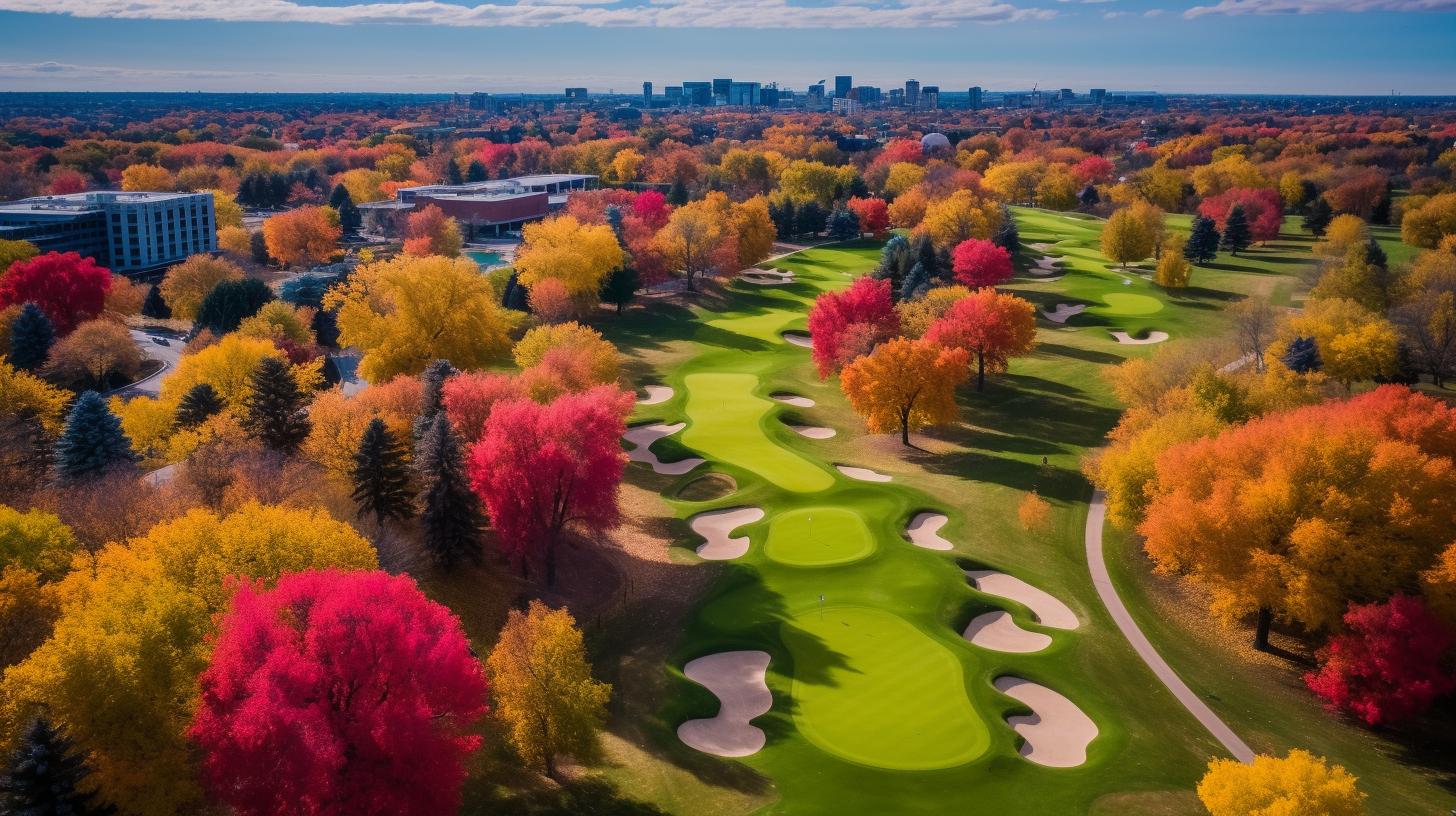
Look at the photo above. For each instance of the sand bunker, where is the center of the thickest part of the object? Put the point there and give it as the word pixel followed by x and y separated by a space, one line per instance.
pixel 1057 733
pixel 1128 340
pixel 999 633
pixel 738 680
pixel 1063 312
pixel 814 431
pixel 924 531
pixel 1046 266
pixel 655 394
pixel 642 438
pixel 799 339
pixel 794 400
pixel 863 474
pixel 1048 609
pixel 715 525
pixel 767 277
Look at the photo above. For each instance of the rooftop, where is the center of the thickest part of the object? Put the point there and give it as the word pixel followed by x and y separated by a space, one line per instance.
pixel 84 202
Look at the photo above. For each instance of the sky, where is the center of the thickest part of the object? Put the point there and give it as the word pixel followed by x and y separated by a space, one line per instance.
pixel 1170 46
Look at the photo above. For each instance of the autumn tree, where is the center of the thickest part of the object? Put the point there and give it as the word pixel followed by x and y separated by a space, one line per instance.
pixel 1262 209
pixel 579 256
pixel 978 262
pixel 188 283
pixel 1389 665
pixel 1268 786
pixel 905 384
pixel 98 354
pixel 990 327
pixel 1426 315
pixel 303 236
pixel 541 469
pixel 1354 344
pixel 695 239
pixel 1126 238
pixel 47 775
pixel 960 217
pixel 69 288
pixel 604 362
pixel 1173 271
pixel 848 324
pixel 1426 225
pixel 408 311
pixel 287 741
pixel 873 214
pixel 146 178
pixel 431 232
pixel 544 689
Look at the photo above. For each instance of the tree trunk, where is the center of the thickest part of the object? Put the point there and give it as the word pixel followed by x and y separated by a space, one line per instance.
pixel 1261 628
pixel 980 371
pixel 905 427
pixel 551 563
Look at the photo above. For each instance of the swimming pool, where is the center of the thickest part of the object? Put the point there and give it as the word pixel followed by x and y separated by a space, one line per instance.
pixel 484 258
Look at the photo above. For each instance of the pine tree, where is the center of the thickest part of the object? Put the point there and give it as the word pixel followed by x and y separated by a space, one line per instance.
pixel 92 442
pixel 810 219
pixel 1380 213
pixel 475 172
pixel 381 477
pixel 515 295
pixel 452 172
pixel 45 777
pixel 332 375
pixel 895 263
pixel 230 303
pixel 1302 356
pixel 1375 256
pixel 1089 197
pixel 155 306
pixel 199 404
pixel 915 283
pixel 842 225
pixel 613 214
pixel 677 194
pixel 432 394
pixel 620 287
pixel 343 203
pixel 1006 235
pixel 923 251
pixel 1319 216
pixel 31 336
pixel 1203 239
pixel 449 510
pixel 275 407
pixel 784 217
pixel 258 247
pixel 1236 234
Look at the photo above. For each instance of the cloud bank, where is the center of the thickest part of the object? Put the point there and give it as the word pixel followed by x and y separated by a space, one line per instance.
pixel 1234 8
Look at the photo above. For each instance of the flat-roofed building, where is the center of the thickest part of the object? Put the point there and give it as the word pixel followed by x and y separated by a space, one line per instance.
pixel 491 207
pixel 130 233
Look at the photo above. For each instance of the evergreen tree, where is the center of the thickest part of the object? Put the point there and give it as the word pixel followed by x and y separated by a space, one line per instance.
pixel 349 216
pixel 1375 256
pixel 275 407
pixel 620 287
pixel 31 336
pixel 432 395
pixel 783 217
pixel 895 262
pixel 916 283
pixel 46 775
pixel 810 219
pixel 230 303
pixel 449 510
pixel 475 172
pixel 330 371
pixel 923 251
pixel 381 476
pixel 1302 356
pixel 155 306
pixel 258 248
pixel 92 442
pixel 199 404
pixel 1203 239
pixel 452 172
pixel 1236 234
pixel 515 295
pixel 1319 216
pixel 842 224
pixel 1006 235
pixel 1380 214
pixel 1089 197
pixel 858 188
pixel 325 325
pixel 613 214
pixel 677 194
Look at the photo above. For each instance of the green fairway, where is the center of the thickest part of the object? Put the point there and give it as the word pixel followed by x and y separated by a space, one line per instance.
pixel 1120 303
pixel 897 701
pixel 818 537
pixel 727 419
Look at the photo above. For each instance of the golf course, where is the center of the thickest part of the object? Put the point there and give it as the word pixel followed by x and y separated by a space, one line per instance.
pixel 926 653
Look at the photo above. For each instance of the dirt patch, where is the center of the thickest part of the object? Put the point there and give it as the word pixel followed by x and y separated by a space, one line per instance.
pixel 708 487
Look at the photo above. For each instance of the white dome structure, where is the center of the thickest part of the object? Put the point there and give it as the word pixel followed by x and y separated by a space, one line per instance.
pixel 933 141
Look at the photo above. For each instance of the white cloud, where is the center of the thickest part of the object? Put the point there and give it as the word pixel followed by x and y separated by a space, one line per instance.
pixel 1113 15
pixel 537 13
pixel 1154 13
pixel 1242 7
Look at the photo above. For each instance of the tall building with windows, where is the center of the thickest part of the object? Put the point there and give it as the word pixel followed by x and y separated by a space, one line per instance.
pixel 647 92
pixel 129 233
pixel 930 96
pixel 974 97
pixel 674 94
pixel 842 86
pixel 1099 95
pixel 698 93
pixel 912 93
pixel 744 93
pixel 721 88
pixel 576 93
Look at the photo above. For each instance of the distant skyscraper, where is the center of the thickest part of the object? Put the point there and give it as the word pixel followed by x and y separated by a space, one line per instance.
pixel 930 95
pixel 974 96
pixel 743 93
pixel 842 86
pixel 576 93
pixel 912 93
pixel 720 88
pixel 698 93
pixel 674 94
pixel 1098 95
pixel 866 94
pixel 1067 95
pixel 647 92
pixel 815 96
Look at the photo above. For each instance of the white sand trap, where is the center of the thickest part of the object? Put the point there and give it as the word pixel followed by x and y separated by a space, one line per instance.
pixel 655 394
pixel 738 680
pixel 1063 312
pixel 715 525
pixel 924 531
pixel 799 339
pixel 863 474
pixel 1128 340
pixel 1049 610
pixel 999 633
pixel 1057 733
pixel 794 400
pixel 814 431
pixel 644 435
pixel 1046 266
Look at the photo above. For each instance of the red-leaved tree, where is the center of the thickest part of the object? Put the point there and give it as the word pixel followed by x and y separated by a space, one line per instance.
pixel 873 213
pixel 864 312
pixel 992 327
pixel 468 398
pixel 70 289
pixel 652 207
pixel 1263 208
pixel 1391 664
pixel 978 262
pixel 540 469
pixel 338 693
pixel 1093 170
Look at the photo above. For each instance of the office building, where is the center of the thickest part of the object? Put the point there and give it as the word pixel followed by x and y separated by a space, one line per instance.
pixel 481 207
pixel 720 90
pixel 866 94
pixel 912 93
pixel 743 93
pixel 814 97
pixel 846 105
pixel 674 94
pixel 897 97
pixel 129 233
pixel 576 93
pixel 842 86
pixel 770 96
pixel 1066 95
pixel 930 96
pixel 974 97
pixel 647 92
pixel 1099 95
pixel 698 93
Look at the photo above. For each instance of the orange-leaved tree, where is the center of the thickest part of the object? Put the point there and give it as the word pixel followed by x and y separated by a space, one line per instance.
pixel 301 236
pixel 905 384
pixel 990 326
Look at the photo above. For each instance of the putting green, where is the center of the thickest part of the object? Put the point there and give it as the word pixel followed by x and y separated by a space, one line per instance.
pixel 818 537
pixel 1124 303
pixel 885 694
pixel 767 326
pixel 727 425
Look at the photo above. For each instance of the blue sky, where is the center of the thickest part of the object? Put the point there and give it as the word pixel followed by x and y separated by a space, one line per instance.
pixel 1308 46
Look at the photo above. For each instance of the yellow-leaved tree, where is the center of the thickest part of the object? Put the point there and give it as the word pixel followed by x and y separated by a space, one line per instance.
pixel 35 552
pixel 1354 343
pixel 602 359
pixel 119 672
pixel 405 312
pixel 1128 235
pixel 960 216
pixel 578 255
pixel 143 178
pixel 905 385
pixel 1298 784
pixel 544 689
pixel 187 283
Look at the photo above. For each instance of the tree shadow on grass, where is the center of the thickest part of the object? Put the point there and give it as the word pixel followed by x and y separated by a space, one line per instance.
pixel 1070 352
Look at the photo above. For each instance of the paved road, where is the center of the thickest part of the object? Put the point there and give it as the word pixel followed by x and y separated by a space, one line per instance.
pixel 164 347
pixel 1096 515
